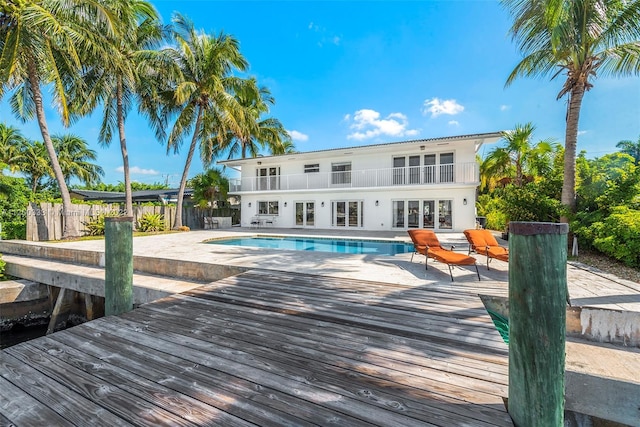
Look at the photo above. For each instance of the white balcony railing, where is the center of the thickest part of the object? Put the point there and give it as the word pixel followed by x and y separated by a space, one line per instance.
pixel 457 173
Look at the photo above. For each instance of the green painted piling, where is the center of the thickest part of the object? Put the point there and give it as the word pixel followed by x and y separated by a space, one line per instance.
pixel 537 322
pixel 118 283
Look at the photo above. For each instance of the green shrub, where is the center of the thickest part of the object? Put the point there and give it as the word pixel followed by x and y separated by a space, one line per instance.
pixel 95 226
pixel 14 198
pixel 619 235
pixel 2 266
pixel 151 222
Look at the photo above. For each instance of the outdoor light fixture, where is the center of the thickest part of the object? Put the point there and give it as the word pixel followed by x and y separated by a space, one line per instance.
pixel 249 204
pixel 259 163
pixel 464 201
pixel 322 204
pixel 285 204
pixel 376 203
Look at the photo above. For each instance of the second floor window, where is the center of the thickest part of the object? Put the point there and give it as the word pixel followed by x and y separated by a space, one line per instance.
pixel 341 173
pixel 268 178
pixel 312 168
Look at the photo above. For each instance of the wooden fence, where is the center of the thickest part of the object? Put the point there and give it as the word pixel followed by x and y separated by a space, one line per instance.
pixel 44 220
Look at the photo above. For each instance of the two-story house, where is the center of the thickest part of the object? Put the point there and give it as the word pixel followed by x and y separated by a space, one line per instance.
pixel 427 183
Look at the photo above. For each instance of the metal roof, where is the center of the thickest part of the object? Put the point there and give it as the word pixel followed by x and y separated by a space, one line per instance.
pixel 364 147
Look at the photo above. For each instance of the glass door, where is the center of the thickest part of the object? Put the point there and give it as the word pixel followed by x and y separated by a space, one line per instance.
pixel 347 213
pixel 428 213
pixel 305 214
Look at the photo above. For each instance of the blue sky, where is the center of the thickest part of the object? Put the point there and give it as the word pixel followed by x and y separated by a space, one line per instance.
pixel 357 73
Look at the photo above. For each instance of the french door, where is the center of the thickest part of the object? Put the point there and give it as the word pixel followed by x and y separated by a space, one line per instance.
pixel 347 213
pixel 434 214
pixel 305 214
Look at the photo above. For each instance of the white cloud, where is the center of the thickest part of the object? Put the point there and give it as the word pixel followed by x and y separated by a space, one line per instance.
pixel 368 124
pixel 298 136
pixel 325 35
pixel 138 170
pixel 437 107
pixel 454 123
pixel 505 107
pixel 582 132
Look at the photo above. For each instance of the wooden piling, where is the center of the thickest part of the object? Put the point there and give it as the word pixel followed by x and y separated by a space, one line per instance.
pixel 537 322
pixel 118 292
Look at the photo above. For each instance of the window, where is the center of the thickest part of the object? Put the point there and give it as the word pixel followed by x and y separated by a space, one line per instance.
pixel 347 213
pixel 407 214
pixel 446 167
pixel 312 168
pixel 429 168
pixel 341 173
pixel 414 169
pixel 398 170
pixel 268 178
pixel 268 208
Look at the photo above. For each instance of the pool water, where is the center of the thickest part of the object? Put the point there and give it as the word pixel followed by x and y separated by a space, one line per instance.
pixel 345 246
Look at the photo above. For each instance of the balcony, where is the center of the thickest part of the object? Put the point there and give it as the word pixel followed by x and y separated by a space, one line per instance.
pixel 457 173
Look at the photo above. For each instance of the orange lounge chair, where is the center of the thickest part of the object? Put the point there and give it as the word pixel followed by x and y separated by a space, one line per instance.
pixel 484 243
pixel 426 243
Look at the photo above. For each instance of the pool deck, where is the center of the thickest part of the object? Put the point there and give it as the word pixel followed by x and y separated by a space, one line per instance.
pixel 299 339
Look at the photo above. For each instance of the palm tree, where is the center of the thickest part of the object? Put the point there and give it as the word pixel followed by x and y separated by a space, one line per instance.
pixel 577 38
pixel 119 78
pixel 209 187
pixel 76 159
pixel 34 163
pixel 256 132
pixel 42 42
pixel 519 159
pixel 10 141
pixel 631 148
pixel 200 99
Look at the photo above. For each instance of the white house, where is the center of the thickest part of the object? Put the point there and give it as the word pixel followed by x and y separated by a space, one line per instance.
pixel 427 183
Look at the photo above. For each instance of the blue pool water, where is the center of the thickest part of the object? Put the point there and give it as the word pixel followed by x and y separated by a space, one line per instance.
pixel 345 246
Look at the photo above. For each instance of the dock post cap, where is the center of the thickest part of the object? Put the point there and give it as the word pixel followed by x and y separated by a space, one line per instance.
pixel 118 219
pixel 526 228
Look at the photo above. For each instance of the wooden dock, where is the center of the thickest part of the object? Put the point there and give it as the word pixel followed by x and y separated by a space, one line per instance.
pixel 270 348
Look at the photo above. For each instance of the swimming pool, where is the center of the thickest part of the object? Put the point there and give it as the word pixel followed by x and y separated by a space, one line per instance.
pixel 345 246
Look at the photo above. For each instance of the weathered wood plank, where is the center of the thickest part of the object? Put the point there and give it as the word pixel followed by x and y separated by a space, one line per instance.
pixel 55 396
pixel 282 349
pixel 411 324
pixel 20 408
pixel 313 327
pixel 184 406
pixel 324 375
pixel 107 395
pixel 267 374
pixel 343 369
pixel 237 396
pixel 345 346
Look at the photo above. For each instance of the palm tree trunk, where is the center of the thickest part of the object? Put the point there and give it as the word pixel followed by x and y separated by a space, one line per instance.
pixel 183 182
pixel 125 155
pixel 69 228
pixel 571 141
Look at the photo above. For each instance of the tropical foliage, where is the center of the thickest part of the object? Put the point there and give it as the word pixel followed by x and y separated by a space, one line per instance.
pixel 209 188
pixel 124 75
pixel 631 148
pixel 151 222
pixel 200 100
pixel 608 200
pixel 577 38
pixel 43 43
pixel 14 198
pixel 2 267
pixel 254 132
